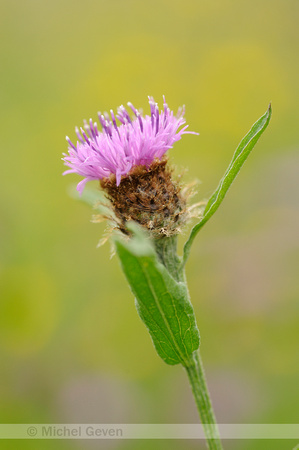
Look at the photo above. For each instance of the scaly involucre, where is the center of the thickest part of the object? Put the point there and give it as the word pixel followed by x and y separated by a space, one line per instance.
pixel 119 148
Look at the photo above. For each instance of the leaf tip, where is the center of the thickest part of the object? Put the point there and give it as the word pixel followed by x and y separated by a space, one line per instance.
pixel 269 111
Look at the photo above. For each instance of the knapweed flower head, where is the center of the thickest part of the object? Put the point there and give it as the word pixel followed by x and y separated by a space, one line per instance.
pixel 129 159
pixel 119 148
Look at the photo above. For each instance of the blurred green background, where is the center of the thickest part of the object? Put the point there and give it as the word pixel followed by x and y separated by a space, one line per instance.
pixel 72 347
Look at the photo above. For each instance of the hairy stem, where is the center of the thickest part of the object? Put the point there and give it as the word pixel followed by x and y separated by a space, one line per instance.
pixel 166 248
pixel 201 394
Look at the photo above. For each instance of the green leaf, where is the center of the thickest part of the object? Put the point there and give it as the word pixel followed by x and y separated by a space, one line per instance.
pixel 240 156
pixel 162 303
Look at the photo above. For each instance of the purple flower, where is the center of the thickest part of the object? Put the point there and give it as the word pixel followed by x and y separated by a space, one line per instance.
pixel 119 148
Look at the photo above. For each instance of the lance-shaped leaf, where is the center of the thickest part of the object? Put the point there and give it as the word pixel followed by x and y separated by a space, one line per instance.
pixel 162 303
pixel 240 156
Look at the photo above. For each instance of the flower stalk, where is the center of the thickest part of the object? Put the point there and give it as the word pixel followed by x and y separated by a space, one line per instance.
pixel 166 249
pixel 201 395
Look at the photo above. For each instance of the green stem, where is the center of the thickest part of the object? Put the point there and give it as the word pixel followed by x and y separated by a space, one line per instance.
pixel 200 391
pixel 166 248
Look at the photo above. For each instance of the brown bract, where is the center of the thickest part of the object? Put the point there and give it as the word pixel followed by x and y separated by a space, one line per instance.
pixel 150 196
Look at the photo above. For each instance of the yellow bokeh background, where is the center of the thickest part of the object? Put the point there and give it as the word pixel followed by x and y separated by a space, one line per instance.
pixel 72 347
